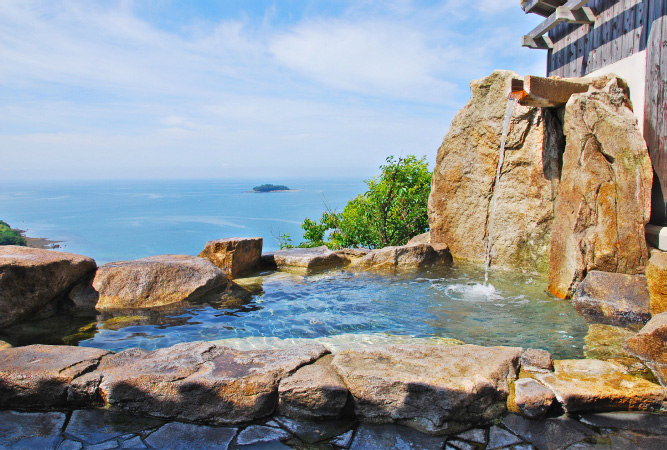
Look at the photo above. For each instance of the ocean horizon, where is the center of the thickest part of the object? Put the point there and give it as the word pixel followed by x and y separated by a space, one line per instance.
pixel 117 220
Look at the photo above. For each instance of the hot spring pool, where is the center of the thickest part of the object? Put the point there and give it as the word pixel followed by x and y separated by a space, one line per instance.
pixel 342 308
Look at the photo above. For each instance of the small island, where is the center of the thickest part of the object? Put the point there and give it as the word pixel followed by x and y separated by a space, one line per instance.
pixel 270 188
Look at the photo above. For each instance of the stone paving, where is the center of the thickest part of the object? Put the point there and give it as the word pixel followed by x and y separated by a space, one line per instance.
pixel 99 429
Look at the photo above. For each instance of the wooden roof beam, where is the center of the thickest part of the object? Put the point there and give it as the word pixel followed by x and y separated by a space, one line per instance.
pixel 573 11
pixel 543 8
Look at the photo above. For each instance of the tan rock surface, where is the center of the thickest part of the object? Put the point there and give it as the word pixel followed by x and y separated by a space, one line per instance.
pixel 464 176
pixel 235 256
pixel 650 345
pixel 314 392
pixel 411 256
pixel 435 389
pixel 30 278
pixel 200 381
pixel 155 281
pixel 308 260
pixel 532 399
pixel 4 345
pixel 613 298
pixel 656 276
pixel 593 385
pixel 48 376
pixel 604 197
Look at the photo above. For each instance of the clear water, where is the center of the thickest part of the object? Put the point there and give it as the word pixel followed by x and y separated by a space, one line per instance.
pixel 124 221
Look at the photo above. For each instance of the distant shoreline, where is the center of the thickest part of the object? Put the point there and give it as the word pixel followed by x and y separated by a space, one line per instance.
pixel 37 242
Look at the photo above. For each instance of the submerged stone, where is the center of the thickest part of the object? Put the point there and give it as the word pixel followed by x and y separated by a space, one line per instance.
pixel 155 281
pixel 256 434
pixel 31 278
pixel 183 436
pixel 374 437
pixel 548 434
pixel 94 426
pixel 235 256
pixel 200 381
pixel 28 430
pixel 430 388
pixel 311 432
pixel 593 385
pixel 613 298
pixel 48 376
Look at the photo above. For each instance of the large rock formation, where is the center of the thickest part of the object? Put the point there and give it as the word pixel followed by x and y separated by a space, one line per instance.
pixel 656 277
pixel 436 389
pixel 155 281
pixel 650 345
pixel 604 197
pixel 31 278
pixel 463 180
pixel 200 381
pixel 235 256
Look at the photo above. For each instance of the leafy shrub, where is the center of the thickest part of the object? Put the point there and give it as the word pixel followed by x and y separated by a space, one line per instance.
pixel 390 212
pixel 9 236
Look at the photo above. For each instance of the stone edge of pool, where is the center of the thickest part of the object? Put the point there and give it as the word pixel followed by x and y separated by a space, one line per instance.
pixel 431 388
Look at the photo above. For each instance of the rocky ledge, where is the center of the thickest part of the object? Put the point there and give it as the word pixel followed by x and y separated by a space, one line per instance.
pixel 435 389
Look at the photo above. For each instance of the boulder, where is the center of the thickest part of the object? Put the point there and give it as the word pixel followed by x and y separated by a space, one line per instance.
pixel 604 198
pixel 424 238
pixel 411 256
pixel 459 206
pixel 235 256
pixel 155 281
pixel 650 345
pixel 656 277
pixel 31 278
pixel 304 260
pixel 313 392
pixel 532 399
pixel 613 298
pixel 48 376
pixel 434 389
pixel 536 360
pixel 353 255
pixel 200 381
pixel 593 385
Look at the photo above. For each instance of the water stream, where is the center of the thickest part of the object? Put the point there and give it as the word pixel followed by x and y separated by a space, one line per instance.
pixel 512 101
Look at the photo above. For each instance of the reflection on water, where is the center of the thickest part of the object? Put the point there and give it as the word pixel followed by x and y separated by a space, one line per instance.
pixel 452 303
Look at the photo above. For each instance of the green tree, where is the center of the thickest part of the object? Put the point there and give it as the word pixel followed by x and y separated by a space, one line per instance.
pixel 9 236
pixel 390 212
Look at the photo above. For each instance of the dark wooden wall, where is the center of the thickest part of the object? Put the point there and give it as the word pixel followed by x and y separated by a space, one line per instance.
pixel 623 28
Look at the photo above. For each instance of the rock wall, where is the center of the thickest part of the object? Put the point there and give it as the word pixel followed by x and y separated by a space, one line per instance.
pixel 604 199
pixel 464 175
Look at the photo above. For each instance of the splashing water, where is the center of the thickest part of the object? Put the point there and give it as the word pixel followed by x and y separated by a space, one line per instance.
pixel 512 101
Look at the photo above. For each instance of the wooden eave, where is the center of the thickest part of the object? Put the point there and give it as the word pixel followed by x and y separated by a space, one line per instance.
pixel 572 11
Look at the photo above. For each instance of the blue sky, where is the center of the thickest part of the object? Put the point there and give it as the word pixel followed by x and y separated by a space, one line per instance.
pixel 241 88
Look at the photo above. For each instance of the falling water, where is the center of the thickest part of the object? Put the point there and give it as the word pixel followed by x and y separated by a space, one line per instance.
pixel 512 101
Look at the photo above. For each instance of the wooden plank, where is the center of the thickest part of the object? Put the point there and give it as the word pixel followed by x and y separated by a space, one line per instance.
pixel 616 44
pixel 627 46
pixel 660 139
pixel 654 26
pixel 640 27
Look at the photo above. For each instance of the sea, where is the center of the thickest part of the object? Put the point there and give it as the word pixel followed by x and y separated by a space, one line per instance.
pixel 123 220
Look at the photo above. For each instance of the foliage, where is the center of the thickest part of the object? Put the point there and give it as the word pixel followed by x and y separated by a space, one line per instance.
pixel 9 236
pixel 270 188
pixel 390 212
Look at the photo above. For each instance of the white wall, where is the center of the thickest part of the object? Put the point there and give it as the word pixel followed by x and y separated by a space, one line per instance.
pixel 633 70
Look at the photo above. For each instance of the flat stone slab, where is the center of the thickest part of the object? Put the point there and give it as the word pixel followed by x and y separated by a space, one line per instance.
pixel 95 426
pixel 436 389
pixel 308 260
pixel 200 381
pixel 636 421
pixel 613 298
pixel 48 376
pixel 183 436
pixel 374 437
pixel 235 256
pixel 30 278
pixel 411 256
pixel 312 432
pixel 313 392
pixel 593 385
pixel 28 430
pixel 548 434
pixel 257 434
pixel 155 281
